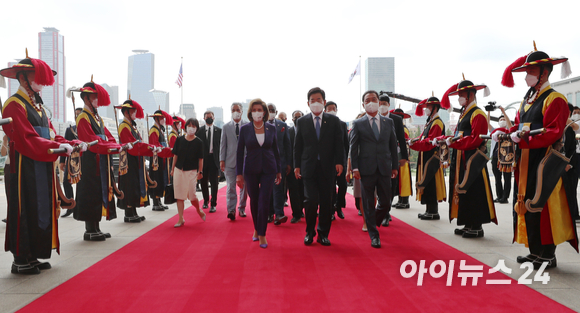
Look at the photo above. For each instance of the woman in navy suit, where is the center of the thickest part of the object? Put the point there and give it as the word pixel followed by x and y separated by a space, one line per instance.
pixel 260 168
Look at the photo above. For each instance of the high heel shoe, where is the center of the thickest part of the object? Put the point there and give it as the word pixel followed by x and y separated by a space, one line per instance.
pixel 263 245
pixel 255 238
pixel 201 214
pixel 179 224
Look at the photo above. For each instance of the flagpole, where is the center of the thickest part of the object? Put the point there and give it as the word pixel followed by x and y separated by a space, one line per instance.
pixel 181 83
pixel 360 83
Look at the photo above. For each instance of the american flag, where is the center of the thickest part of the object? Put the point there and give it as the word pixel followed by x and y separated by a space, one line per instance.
pixel 179 80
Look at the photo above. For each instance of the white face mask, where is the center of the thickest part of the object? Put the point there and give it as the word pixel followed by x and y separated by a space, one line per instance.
pixel 531 80
pixel 257 116
pixel 36 87
pixel 331 113
pixel 575 117
pixel 502 124
pixel 372 107
pixel 134 115
pixel 316 107
pixel 384 109
pixel 427 112
pixel 191 130
pixel 462 101
pixel 237 115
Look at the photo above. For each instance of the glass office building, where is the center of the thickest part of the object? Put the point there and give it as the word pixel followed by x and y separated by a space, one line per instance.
pixel 51 51
pixel 380 74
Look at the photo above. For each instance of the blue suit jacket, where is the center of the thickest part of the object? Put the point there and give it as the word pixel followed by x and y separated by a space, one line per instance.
pixel 259 159
pixel 369 155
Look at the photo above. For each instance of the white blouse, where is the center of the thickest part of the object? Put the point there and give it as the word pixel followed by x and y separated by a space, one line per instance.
pixel 261 138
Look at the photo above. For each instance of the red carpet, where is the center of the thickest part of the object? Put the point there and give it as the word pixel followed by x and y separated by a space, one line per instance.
pixel 215 267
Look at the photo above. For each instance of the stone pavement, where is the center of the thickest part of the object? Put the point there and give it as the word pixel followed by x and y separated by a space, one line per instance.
pixel 76 255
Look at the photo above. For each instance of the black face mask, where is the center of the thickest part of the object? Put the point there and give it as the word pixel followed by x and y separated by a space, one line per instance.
pixel 209 120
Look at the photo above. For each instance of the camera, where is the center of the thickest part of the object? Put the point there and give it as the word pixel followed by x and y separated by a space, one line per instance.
pixel 490 107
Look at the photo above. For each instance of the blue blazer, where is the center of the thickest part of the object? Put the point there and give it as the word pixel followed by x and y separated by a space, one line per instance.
pixel 258 159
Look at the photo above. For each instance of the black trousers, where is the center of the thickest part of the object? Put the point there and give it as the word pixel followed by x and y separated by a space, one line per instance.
pixel 318 191
pixel 339 198
pixel 210 174
pixel 382 184
pixel 535 237
pixel 502 191
pixel 296 194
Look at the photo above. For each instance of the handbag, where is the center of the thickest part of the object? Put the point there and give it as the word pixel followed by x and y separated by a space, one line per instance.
pixel 169 195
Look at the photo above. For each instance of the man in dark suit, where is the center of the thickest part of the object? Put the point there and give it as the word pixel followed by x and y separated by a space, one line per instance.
pixel 295 186
pixel 318 158
pixel 69 134
pixel 283 140
pixel 402 153
pixel 339 198
pixel 211 136
pixel 373 154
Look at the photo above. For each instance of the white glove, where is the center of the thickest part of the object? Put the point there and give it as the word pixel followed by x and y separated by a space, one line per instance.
pixel 159 149
pixel 435 142
pixel 448 141
pixel 409 142
pixel 129 146
pixel 69 148
pixel 84 146
pixel 515 138
pixel 495 135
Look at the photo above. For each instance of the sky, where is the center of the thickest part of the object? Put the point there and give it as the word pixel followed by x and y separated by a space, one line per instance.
pixel 277 51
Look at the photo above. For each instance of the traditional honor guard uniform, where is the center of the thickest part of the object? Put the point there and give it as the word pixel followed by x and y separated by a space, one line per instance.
pixel 541 201
pixel 133 178
pixel 471 200
pixel 404 178
pixel 430 180
pixel 158 167
pixel 178 125
pixel 33 206
pixel 95 190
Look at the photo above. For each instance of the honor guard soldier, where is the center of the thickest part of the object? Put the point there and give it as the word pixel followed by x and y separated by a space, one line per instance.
pixel 95 189
pixel 405 181
pixel 176 128
pixel 159 161
pixel 470 197
pixel 430 180
pixel 543 218
pixel 33 206
pixel 134 180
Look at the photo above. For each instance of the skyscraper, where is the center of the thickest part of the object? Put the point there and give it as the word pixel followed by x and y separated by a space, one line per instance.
pixel 187 110
pixel 218 113
pixel 380 74
pixel 141 82
pixel 51 51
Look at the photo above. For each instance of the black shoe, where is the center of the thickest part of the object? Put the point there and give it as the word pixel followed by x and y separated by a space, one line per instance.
pixel 460 231
pixel 231 216
pixel 359 213
pixel 280 219
pixel 68 213
pixel 323 240
pixel 295 220
pixel 270 218
pixel 430 216
pixel 158 208
pixel 503 201
pixel 551 263
pixel 205 205
pixel 142 218
pixel 473 233
pixel 41 265
pixel 496 200
pixel 395 204
pixel 133 219
pixel 24 269
pixel 285 204
pixel 402 206
pixel 308 239
pixel 339 213
pixel 94 237
pixel 385 222
pixel 527 258
pixel 4 220
pixel 107 235
pixel 165 207
pixel 332 217
pixel 242 213
pixel 302 215
pixel 212 209
pixel 376 243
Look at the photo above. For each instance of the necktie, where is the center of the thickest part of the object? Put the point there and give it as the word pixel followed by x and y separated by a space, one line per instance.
pixel 317 127
pixel 375 128
pixel 209 142
pixel 237 130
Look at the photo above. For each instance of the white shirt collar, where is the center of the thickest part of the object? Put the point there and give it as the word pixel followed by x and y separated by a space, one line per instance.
pixel 314 116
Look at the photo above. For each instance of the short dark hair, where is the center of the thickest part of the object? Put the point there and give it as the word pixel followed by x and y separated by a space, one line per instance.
pixel 384 98
pixel 237 103
pixel 258 101
pixel 297 111
pixel 78 109
pixel 367 92
pixel 208 112
pixel 192 122
pixel 576 108
pixel 330 103
pixel 316 90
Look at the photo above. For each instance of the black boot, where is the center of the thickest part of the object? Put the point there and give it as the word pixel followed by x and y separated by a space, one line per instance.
pixel 403 203
pixel 157 205
pixel 22 266
pixel 130 216
pixel 432 212
pixel 107 235
pixel 91 233
pixel 40 265
pixel 142 218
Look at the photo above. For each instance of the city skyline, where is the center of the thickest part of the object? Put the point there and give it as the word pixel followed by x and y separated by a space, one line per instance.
pixel 51 51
